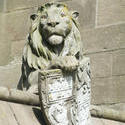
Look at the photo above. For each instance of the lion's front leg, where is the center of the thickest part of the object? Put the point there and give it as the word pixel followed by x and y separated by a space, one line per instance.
pixel 33 82
pixel 67 63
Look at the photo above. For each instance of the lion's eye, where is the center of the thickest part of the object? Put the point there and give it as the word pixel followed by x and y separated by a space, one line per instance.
pixel 63 14
pixel 44 16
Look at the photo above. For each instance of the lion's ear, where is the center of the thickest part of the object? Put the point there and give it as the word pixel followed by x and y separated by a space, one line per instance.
pixel 33 16
pixel 75 14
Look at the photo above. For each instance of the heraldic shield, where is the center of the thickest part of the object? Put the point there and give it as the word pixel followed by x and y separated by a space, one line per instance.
pixel 65 96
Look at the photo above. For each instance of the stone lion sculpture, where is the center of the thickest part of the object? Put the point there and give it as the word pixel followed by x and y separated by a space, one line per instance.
pixel 53 42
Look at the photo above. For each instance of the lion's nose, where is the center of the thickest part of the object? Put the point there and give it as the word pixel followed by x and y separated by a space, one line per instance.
pixel 52 24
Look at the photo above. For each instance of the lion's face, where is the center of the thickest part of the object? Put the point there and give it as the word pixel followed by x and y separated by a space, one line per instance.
pixel 55 23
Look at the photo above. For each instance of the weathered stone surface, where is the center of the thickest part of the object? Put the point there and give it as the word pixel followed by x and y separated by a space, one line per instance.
pixel 17 48
pixel 101 121
pixel 104 39
pixel 101 64
pixel 103 91
pixel 117 106
pixel 24 114
pixel 86 9
pixel 10 74
pixel 118 64
pixel 111 11
pixel 15 25
pixel 11 5
pixel 118 82
pixel 108 90
pixel 96 121
pixel 4 53
pixel 5 46
pixel 6 114
pixel 17 114
pixel 2 31
pixel 110 122
pixel 1 5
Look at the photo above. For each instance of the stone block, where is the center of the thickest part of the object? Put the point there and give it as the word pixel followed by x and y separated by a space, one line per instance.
pixel 110 12
pixel 12 5
pixel 1 5
pixel 15 25
pixel 17 48
pixel 104 39
pixel 101 65
pixel 108 90
pixel 118 64
pixel 118 83
pixel 103 91
pixel 10 75
pixel 5 49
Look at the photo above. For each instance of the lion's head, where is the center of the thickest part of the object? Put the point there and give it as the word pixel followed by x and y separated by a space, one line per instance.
pixel 54 32
pixel 55 23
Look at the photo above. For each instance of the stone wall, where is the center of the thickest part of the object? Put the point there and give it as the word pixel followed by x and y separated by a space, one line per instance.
pixel 102 25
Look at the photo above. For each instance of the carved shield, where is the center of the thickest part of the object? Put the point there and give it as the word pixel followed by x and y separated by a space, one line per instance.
pixel 56 96
pixel 64 97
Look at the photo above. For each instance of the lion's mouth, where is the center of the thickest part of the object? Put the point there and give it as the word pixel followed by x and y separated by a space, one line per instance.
pixel 56 34
pixel 55 39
